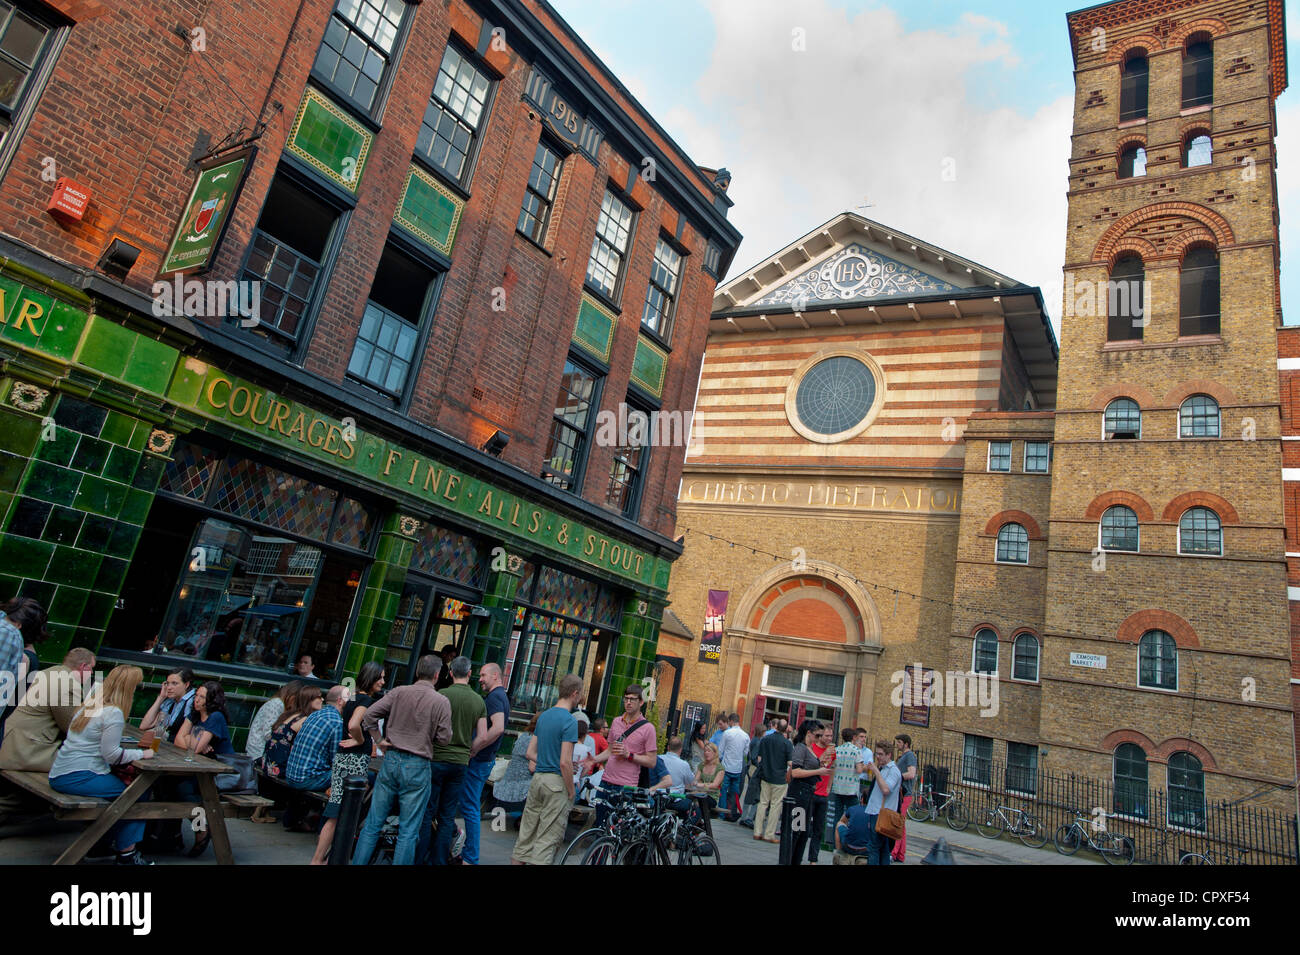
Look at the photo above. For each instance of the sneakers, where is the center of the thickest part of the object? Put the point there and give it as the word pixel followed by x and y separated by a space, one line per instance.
pixel 132 858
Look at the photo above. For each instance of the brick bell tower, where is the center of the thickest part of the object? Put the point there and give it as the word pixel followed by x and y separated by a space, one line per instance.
pixel 1166 659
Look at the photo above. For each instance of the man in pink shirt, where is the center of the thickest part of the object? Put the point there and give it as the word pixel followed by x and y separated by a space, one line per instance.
pixel 632 745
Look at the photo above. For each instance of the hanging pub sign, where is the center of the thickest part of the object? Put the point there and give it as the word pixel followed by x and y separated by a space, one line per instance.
pixel 207 213
pixel 714 617
pixel 918 683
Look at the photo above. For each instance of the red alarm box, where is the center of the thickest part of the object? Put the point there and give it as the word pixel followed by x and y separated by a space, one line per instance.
pixel 69 201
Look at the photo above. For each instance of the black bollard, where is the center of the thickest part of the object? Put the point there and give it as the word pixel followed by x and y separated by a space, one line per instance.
pixel 345 835
pixel 787 825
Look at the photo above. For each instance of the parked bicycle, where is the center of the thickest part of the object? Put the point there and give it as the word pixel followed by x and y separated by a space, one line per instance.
pixel 999 819
pixel 677 836
pixel 625 822
pixel 930 804
pixel 1112 847
pixel 1212 856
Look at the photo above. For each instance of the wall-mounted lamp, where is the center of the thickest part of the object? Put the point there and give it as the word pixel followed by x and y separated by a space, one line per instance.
pixel 118 259
pixel 497 443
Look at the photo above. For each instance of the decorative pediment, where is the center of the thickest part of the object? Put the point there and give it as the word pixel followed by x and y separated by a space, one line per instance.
pixel 854 273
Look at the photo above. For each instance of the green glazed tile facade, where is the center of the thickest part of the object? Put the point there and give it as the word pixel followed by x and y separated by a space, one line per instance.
pixel 648 367
pixel 430 210
pixel 594 330
pixel 329 140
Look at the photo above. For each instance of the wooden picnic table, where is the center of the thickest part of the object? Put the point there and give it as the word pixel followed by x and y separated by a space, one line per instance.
pixel 168 761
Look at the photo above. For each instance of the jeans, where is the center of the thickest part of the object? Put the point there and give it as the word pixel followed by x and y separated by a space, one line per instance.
pixel 446 782
pixel 404 777
pixel 315 783
pixel 816 826
pixel 844 843
pixel 107 786
pixel 878 846
pixel 840 805
pixel 729 797
pixel 471 804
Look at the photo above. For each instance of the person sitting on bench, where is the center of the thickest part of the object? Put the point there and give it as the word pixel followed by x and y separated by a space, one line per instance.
pixel 851 832
pixel 312 757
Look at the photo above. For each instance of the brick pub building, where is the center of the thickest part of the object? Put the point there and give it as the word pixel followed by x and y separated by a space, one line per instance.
pixel 1119 557
pixel 433 218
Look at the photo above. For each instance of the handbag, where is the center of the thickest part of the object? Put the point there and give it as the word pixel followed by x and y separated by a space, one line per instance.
pixel 242 777
pixel 498 770
pixel 890 823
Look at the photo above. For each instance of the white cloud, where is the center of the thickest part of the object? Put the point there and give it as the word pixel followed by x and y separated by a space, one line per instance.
pixel 870 112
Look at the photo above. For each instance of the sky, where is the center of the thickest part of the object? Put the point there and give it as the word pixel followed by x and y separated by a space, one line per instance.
pixel 948 121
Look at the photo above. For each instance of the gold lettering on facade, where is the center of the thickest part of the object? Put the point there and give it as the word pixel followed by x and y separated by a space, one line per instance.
pixel 453 482
pixel 298 426
pixel 212 392
pixel 393 457
pixel 26 313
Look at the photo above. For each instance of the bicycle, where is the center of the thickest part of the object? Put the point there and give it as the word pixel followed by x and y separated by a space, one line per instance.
pixel 927 807
pixel 1114 849
pixel 624 824
pixel 1018 822
pixel 1210 856
pixel 674 828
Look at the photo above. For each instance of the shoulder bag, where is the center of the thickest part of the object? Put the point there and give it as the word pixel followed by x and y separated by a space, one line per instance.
pixel 890 823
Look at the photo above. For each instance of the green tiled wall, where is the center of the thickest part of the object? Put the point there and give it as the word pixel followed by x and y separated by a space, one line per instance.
pixel 330 140
pixel 634 656
pixel 72 513
pixel 382 594
pixel 594 329
pixel 493 634
pixel 430 210
pixel 648 367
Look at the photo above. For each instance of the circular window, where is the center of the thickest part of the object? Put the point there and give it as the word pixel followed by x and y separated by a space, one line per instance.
pixel 833 397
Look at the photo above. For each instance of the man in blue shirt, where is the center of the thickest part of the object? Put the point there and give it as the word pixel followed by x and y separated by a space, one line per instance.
pixel 550 795
pixel 312 756
pixel 483 756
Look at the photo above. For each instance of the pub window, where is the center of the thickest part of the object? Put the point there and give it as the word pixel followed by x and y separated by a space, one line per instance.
pixel 25 39
pixel 627 472
pixel 356 54
pixel 1022 768
pixel 1024 661
pixel 1133 161
pixel 1200 532
pixel 999 455
pixel 288 256
pixel 1119 529
pixel 566 448
pixel 1198 150
pixel 1122 420
pixel 454 116
pixel 1198 74
pixel 984 654
pixel 1133 87
pixel 1130 771
pixel 1198 293
pixel 1186 792
pixel 1038 457
pixel 385 348
pixel 1125 299
pixel 1198 417
pixel 609 247
pixel 539 196
pixel 661 293
pixel 1158 661
pixel 977 760
pixel 1013 544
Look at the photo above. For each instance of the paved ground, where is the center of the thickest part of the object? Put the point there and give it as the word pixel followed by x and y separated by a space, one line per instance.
pixel 259 844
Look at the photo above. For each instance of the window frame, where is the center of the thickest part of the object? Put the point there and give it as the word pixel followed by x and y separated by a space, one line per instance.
pixel 1189 143
pixel 1169 791
pixel 1030 770
pixel 631 507
pixel 1204 270
pixel 1218 418
pixel 329 260
pixel 423 329
pixel 1131 149
pixel 1109 435
pixel 1141 810
pixel 1136 279
pixel 1137 529
pixel 1015 657
pixel 969 758
pixel 997 551
pixel 37 80
pixel 663 335
pixel 582 455
pixel 463 182
pixel 980 635
pixel 1009 455
pixel 383 88
pixel 1198 553
pixel 1140 88
pixel 1161 665
pixel 1199 72
pixel 615 296
pixel 1025 462
pixel 547 203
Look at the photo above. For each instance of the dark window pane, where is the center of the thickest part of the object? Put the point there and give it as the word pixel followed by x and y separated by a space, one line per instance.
pixel 1199 293
pixel 1133 89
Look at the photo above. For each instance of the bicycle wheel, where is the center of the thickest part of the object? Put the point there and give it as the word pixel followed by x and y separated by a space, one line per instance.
pixel 991 825
pixel 577 849
pixel 954 813
pixel 1121 851
pixel 604 851
pixel 641 852
pixel 1032 832
pixel 703 851
pixel 1193 858
pixel 1067 839
pixel 919 810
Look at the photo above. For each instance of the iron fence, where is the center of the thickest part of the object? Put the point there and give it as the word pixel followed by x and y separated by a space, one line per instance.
pixel 1163 825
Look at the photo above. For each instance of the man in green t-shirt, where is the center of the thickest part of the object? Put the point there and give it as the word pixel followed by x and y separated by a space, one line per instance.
pixel 450 760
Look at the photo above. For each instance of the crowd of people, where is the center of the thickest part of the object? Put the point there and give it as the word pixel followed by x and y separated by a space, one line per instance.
pixel 439 739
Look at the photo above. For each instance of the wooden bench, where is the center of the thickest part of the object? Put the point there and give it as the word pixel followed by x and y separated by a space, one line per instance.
pixel 69 806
